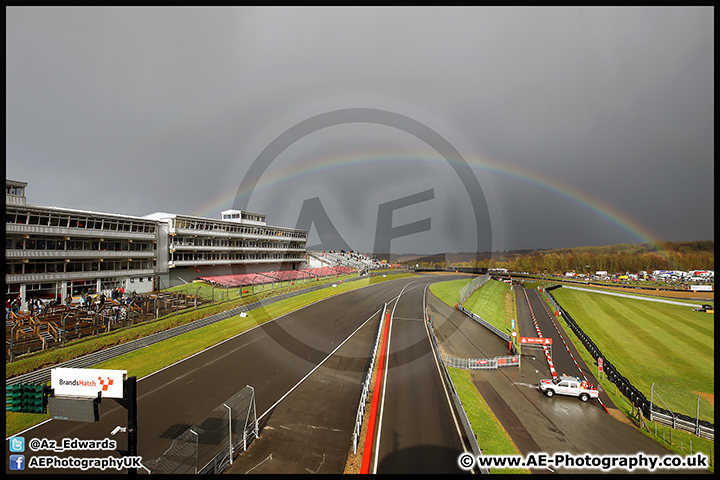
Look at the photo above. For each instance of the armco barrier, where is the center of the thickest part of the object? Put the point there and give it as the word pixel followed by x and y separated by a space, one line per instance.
pixel 464 421
pixel 636 397
pixel 679 421
pixel 485 324
pixel 367 380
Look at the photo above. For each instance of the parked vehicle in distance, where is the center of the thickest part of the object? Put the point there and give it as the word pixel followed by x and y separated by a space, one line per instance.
pixel 571 386
pixel 705 308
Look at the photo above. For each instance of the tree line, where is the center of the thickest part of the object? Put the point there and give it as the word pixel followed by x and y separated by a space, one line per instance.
pixel 631 258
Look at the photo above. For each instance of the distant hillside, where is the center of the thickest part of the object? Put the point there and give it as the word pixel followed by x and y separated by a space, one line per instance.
pixel 450 258
pixel 694 255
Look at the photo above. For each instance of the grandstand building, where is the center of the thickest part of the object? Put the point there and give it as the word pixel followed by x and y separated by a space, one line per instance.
pixel 240 242
pixel 52 253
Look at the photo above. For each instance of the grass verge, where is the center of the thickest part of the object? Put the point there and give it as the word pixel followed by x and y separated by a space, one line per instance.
pixel 492 438
pixel 677 441
pixel 493 302
pixel 77 348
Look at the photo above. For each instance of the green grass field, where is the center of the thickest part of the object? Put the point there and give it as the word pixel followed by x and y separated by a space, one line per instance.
pixel 221 294
pixel 493 302
pixel 449 292
pixel 648 342
pixel 492 438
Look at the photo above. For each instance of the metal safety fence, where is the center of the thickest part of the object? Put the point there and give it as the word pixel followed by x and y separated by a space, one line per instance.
pixel 485 324
pixel 482 363
pixel 470 288
pixel 679 421
pixel 210 446
pixel 366 383
pixel 457 404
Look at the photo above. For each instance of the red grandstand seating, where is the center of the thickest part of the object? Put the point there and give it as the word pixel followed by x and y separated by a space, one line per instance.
pixel 242 279
pixel 288 275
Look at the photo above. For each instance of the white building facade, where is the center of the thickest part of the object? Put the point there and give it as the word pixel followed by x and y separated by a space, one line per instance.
pixel 240 242
pixel 52 253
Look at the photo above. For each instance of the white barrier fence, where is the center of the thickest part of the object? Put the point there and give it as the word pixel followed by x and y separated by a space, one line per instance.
pixel 468 289
pixel 482 363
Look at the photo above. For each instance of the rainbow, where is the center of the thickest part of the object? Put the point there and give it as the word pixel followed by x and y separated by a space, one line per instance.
pixel 275 178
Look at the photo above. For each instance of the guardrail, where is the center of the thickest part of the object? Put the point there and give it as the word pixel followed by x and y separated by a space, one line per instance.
pixel 457 404
pixel 366 383
pixel 678 421
pixel 601 284
pixel 485 324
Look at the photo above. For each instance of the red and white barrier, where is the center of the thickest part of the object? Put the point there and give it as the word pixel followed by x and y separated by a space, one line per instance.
pixel 537 328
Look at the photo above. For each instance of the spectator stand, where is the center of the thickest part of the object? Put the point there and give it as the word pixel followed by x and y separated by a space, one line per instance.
pixel 354 260
pixel 28 332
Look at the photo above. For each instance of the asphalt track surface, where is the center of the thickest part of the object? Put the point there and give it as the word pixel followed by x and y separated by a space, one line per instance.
pixel 313 358
pixel 306 368
pixel 418 432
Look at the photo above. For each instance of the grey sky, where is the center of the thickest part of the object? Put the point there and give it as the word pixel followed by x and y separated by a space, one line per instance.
pixel 583 126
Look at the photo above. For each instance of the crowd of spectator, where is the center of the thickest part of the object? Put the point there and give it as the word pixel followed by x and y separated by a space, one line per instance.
pixel 88 302
pixel 359 261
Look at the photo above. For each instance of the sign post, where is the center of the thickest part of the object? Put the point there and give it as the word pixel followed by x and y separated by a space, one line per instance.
pixel 600 367
pixel 77 392
pixel 129 401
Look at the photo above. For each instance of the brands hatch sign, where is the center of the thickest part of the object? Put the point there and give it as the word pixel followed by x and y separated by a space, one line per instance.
pixel 87 382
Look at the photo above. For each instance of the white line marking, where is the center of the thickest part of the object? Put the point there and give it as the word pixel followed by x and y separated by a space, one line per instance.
pixel 317 366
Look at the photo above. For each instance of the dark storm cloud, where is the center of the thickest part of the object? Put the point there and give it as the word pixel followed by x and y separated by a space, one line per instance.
pixel 135 110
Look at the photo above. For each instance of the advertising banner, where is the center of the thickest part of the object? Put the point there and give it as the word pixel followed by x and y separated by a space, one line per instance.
pixel 701 288
pixel 87 382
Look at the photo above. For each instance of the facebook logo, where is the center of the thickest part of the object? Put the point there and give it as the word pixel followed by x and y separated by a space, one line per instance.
pixel 17 444
pixel 17 462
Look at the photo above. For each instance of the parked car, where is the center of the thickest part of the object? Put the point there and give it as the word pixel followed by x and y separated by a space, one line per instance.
pixel 565 385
